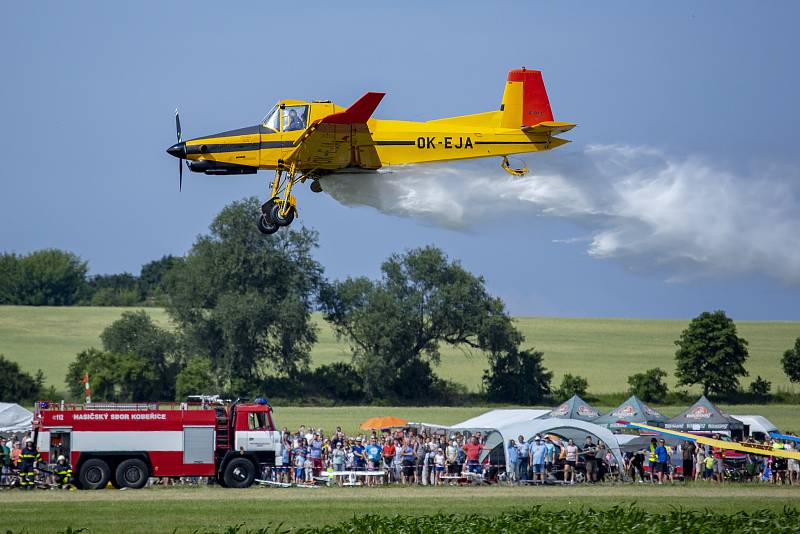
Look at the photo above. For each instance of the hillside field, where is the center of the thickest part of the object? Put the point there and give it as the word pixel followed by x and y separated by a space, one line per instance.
pixel 606 351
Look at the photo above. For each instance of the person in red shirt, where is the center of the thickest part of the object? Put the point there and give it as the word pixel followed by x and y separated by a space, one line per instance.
pixel 473 452
pixel 389 450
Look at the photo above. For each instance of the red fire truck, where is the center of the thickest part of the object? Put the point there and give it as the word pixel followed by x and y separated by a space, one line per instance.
pixel 126 443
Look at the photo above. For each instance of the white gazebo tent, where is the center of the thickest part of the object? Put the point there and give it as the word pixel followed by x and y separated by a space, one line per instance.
pixel 14 418
pixel 502 430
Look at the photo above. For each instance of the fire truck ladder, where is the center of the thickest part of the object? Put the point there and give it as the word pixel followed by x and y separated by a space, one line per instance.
pixel 223 434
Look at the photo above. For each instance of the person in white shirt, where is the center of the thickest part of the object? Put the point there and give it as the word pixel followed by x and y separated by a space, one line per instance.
pixel 571 460
pixel 439 461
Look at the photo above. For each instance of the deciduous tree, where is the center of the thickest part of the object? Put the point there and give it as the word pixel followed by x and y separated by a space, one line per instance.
pixel 710 353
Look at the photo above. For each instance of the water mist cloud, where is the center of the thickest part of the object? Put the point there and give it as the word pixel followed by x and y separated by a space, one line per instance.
pixel 639 205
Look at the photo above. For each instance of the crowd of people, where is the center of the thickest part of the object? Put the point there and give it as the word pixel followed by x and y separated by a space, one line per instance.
pixel 410 457
pixel 690 461
pixel 404 457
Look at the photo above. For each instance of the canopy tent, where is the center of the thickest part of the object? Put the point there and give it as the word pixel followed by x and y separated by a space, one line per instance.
pixel 703 416
pixel 632 410
pixel 575 408
pixel 497 436
pixel 14 418
pixel 756 426
pixel 495 418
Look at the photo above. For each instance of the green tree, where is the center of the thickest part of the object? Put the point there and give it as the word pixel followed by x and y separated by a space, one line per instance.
pixel 101 367
pixel 18 386
pixel 135 333
pixel 710 353
pixel 572 385
pixel 10 278
pixel 649 386
pixel 197 378
pixel 153 279
pixel 114 377
pixel 791 362
pixel 52 278
pixel 244 300
pixel 395 325
pixel 518 377
pixel 114 290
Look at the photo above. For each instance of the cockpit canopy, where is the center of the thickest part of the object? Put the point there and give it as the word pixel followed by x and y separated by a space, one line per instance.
pixel 285 117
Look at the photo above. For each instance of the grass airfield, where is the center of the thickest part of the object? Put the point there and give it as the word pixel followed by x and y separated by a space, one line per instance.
pixel 189 508
pixel 606 351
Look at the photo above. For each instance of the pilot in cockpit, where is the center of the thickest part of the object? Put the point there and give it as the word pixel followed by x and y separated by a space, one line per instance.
pixel 295 122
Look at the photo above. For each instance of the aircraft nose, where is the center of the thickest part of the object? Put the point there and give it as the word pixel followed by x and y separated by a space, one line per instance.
pixel 178 150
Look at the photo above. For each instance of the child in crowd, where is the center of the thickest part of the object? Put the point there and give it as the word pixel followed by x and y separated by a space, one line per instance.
pixel 438 461
pixel 709 467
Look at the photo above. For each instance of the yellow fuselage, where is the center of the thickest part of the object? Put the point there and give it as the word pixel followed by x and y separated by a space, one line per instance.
pixel 384 142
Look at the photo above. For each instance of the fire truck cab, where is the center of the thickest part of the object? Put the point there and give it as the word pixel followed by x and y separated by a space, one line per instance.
pixel 125 444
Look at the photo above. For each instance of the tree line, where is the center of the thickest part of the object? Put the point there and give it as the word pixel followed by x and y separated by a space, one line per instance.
pixel 242 306
pixel 53 277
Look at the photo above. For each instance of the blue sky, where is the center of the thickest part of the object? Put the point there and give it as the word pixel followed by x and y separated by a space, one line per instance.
pixel 89 90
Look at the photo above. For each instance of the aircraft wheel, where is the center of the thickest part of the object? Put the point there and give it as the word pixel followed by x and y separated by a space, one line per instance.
pixel 277 218
pixel 265 225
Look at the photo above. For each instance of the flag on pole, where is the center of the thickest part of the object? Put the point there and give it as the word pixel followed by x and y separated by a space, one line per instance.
pixel 87 388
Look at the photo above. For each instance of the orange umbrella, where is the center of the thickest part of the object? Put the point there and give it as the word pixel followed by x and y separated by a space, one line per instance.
pixel 383 422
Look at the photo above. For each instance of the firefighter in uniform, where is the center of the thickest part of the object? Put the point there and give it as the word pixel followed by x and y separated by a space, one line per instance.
pixel 28 460
pixel 63 472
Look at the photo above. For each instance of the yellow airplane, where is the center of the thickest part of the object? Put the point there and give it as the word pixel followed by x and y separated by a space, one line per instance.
pixel 306 140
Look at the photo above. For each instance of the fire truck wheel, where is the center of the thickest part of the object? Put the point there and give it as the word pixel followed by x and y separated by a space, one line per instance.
pixel 132 473
pixel 239 473
pixel 94 474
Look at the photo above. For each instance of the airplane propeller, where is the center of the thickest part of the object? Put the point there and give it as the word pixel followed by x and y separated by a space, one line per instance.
pixel 178 150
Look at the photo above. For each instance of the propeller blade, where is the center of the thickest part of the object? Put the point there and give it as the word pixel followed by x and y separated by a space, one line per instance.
pixel 178 124
pixel 180 176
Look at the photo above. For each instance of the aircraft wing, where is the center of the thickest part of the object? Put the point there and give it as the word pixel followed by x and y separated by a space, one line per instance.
pixel 339 140
pixel 751 448
pixel 549 128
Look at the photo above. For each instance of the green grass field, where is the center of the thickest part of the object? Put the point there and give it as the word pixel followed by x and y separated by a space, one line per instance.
pixel 163 509
pixel 606 351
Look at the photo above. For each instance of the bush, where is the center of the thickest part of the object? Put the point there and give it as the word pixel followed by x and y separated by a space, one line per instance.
pixel 518 377
pixel 649 386
pixel 571 385
pixel 197 378
pixel 760 387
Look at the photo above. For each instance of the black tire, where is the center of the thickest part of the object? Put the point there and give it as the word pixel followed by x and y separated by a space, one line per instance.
pixel 276 217
pixel 132 473
pixel 265 226
pixel 94 474
pixel 239 473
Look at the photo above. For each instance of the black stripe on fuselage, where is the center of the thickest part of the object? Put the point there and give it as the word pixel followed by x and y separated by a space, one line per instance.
pixel 257 129
pixel 395 143
pixel 235 147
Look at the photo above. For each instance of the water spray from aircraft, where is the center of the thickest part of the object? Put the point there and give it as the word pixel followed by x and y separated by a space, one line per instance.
pixel 639 205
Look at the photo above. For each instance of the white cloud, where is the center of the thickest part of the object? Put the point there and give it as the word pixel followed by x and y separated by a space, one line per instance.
pixel 641 206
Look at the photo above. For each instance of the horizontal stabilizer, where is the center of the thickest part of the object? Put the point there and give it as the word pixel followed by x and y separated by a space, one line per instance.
pixel 549 128
pixel 359 112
